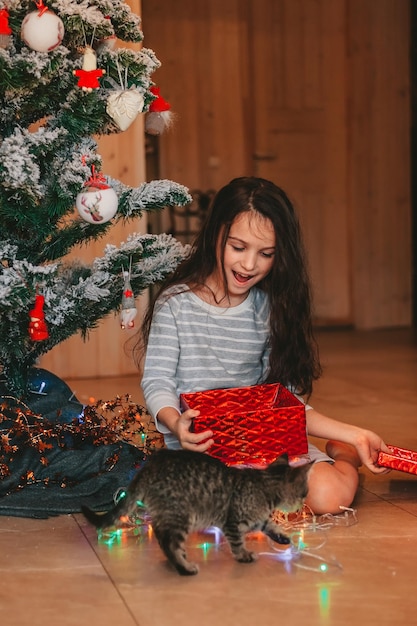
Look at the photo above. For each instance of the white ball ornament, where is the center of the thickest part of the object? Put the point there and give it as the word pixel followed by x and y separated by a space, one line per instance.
pixel 42 30
pixel 97 206
pixel 98 202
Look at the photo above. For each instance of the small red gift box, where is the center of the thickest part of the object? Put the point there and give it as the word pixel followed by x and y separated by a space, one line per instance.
pixel 250 425
pixel 399 459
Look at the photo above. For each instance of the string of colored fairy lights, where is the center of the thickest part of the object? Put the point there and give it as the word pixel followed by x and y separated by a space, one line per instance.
pixel 307 533
pixel 301 528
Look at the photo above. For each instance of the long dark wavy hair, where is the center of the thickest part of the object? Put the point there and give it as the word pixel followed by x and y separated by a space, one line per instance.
pixel 294 358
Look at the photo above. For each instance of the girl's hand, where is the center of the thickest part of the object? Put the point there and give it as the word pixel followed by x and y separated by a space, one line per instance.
pixel 368 445
pixel 200 442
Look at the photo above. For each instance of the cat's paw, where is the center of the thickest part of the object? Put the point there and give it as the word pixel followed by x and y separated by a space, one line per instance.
pixel 245 556
pixel 279 538
pixel 187 568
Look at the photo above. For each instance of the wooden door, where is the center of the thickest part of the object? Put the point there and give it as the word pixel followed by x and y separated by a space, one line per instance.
pixel 313 94
pixel 258 87
pixel 203 48
pixel 300 139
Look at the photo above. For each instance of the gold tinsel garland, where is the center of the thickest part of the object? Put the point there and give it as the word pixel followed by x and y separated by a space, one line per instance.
pixel 101 423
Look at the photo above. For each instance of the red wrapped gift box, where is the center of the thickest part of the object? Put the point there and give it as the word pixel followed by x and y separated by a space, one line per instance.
pixel 250 425
pixel 399 459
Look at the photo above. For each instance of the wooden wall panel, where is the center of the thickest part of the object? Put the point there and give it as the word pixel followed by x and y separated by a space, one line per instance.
pixel 204 55
pixel 301 143
pixel 322 87
pixel 314 94
pixel 379 156
pixel 103 353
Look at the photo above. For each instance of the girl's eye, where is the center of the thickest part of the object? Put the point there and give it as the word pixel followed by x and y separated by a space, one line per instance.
pixel 268 255
pixel 237 248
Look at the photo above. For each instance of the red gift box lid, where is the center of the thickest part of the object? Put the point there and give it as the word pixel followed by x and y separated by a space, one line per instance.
pixel 251 425
pixel 399 459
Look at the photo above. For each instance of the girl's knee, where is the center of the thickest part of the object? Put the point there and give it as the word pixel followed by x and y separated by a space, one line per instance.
pixel 325 500
pixel 331 489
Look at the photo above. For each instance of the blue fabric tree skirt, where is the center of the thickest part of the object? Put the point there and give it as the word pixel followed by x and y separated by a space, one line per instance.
pixel 64 475
pixel 86 473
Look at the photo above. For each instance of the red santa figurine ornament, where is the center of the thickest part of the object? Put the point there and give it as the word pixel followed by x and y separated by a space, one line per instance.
pixel 38 329
pixel 89 74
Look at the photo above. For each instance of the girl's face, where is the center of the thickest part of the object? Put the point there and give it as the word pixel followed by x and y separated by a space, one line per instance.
pixel 248 254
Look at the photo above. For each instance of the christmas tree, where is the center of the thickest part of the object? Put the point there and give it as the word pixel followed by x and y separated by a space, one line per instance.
pixel 66 78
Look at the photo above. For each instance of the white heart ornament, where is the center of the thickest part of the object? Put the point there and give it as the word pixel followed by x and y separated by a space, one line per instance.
pixel 123 106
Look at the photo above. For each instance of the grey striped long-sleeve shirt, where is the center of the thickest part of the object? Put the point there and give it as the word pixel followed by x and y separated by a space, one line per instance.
pixel 194 346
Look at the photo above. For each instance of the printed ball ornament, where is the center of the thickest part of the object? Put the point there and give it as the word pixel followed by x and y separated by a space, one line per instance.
pixel 97 206
pixel 42 30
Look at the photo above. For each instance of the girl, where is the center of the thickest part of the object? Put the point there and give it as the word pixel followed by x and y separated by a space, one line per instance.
pixel 237 312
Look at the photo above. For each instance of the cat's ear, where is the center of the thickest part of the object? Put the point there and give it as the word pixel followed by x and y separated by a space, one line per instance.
pixel 306 467
pixel 281 460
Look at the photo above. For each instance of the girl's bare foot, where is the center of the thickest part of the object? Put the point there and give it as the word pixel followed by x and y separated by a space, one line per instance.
pixel 343 452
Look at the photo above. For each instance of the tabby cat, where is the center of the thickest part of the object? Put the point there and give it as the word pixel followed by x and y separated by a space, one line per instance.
pixel 185 491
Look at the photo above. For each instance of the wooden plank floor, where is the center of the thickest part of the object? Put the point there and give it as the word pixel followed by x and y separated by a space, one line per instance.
pixel 57 571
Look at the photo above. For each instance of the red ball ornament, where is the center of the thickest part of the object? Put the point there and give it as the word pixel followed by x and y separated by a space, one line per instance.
pixel 42 30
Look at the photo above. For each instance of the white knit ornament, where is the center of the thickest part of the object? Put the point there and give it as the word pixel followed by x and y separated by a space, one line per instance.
pixel 42 30
pixel 123 106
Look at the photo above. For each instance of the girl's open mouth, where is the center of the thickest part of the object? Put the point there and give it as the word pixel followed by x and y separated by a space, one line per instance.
pixel 241 278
